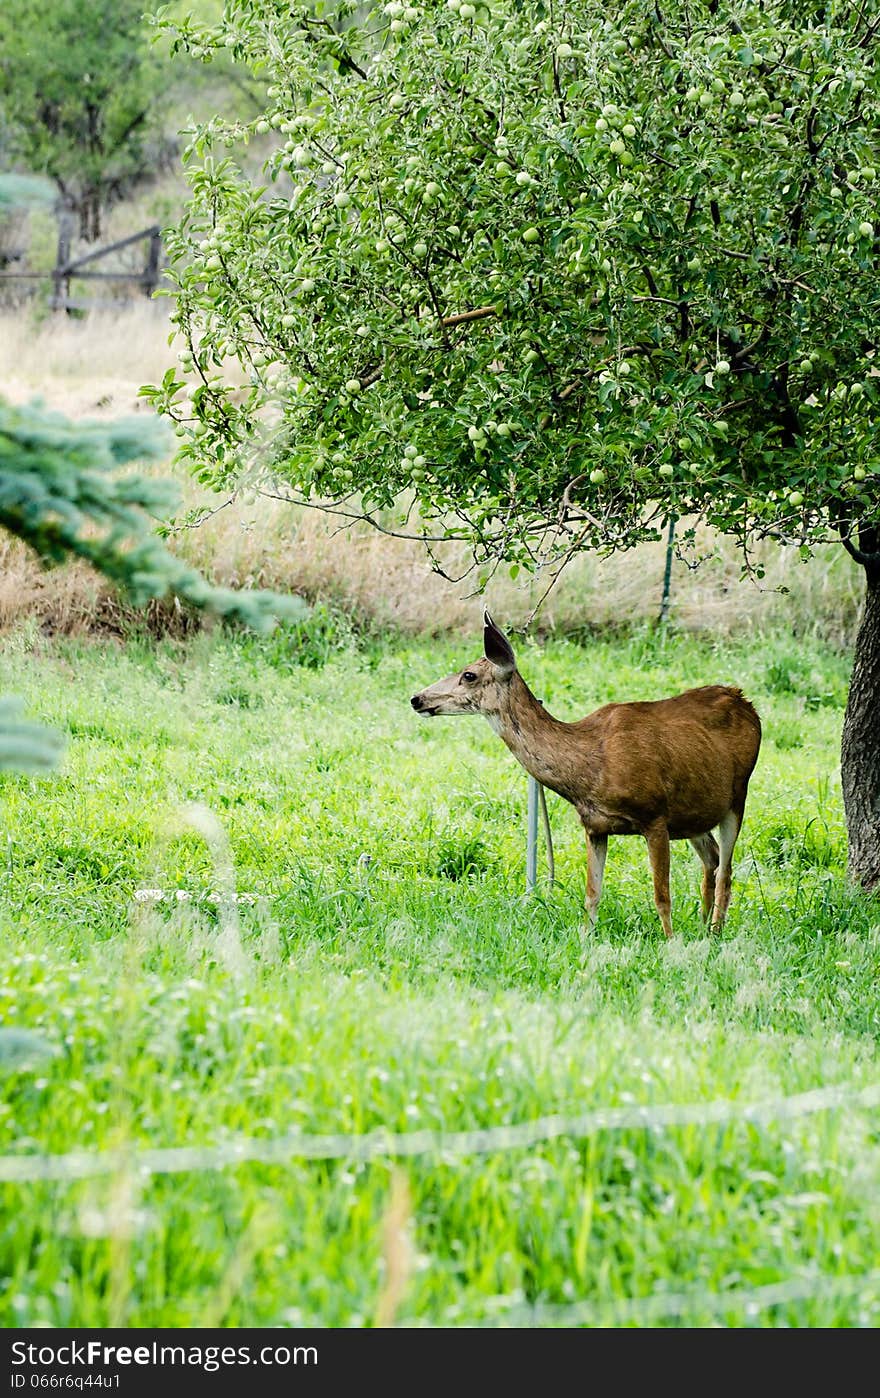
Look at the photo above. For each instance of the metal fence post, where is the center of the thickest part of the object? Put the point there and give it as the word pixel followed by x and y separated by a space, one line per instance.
pixel 532 837
pixel 667 573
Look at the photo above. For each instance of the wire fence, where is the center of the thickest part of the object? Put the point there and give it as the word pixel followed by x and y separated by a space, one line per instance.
pixel 447 1147
pixel 662 1305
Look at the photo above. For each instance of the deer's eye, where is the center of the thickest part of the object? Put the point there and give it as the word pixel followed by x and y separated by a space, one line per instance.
pixel 469 677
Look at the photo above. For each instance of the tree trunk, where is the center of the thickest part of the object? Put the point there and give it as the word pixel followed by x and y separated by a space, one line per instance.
pixel 90 214
pixel 860 746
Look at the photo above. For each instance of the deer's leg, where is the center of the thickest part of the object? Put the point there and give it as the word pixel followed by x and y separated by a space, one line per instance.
pixel 658 853
pixel 597 848
pixel 728 830
pixel 707 848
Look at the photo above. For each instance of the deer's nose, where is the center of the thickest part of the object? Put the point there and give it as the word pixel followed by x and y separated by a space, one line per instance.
pixel 416 702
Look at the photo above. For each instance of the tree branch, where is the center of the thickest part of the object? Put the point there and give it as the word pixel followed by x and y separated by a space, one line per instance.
pixel 481 313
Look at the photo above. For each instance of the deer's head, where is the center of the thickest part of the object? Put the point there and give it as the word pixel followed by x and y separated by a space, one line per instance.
pixel 480 688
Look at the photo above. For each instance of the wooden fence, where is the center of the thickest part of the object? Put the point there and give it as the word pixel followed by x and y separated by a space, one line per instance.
pixel 83 268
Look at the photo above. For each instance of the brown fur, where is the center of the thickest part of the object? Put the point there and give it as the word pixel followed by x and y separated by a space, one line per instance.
pixel 668 769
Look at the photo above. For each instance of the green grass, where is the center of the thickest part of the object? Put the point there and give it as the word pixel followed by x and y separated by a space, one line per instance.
pixel 394 976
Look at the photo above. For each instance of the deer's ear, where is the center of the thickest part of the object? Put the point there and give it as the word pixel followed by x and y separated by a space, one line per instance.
pixel 497 647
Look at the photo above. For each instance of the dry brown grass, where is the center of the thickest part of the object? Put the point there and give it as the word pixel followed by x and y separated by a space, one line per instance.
pixel 94 366
pixel 89 367
pixel 390 581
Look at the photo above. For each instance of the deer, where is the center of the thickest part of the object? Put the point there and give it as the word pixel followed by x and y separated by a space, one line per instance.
pixel 665 769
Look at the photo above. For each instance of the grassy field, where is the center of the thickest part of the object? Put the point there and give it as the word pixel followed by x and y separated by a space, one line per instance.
pixel 381 968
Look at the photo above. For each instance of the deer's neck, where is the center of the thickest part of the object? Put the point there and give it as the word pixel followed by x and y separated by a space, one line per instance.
pixel 536 739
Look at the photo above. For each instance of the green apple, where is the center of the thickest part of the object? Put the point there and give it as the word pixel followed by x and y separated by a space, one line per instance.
pixel 859 473
pixel 523 178
pixel 353 387
pixel 597 476
pixel 666 470
pixel 396 101
pixel 530 235
pixel 531 356
pixel 722 367
pixel 288 321
pixel 564 50
pixel 262 127
pixel 617 146
pixel 420 250
pixel 629 130
pixel 866 229
pixel 601 124
pixel 503 429
pixel 432 189
pixel 795 499
pixel 467 11
pixel 307 285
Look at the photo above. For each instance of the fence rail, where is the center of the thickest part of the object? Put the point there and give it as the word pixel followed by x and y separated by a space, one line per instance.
pixel 67 269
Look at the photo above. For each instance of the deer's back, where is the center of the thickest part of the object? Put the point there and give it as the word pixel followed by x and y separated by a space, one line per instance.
pixel 686 760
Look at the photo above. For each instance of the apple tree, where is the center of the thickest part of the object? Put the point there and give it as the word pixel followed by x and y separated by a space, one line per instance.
pixel 540 277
